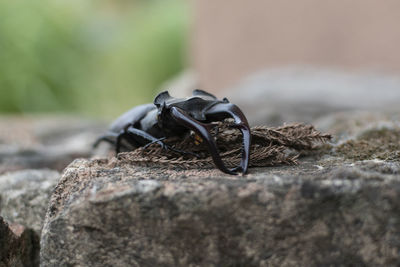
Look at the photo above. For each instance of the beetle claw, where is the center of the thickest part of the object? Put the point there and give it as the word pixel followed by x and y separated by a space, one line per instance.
pixel 223 110
pixel 220 110
pixel 158 141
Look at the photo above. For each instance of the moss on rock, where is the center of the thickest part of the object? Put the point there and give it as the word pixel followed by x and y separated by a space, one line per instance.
pixel 382 143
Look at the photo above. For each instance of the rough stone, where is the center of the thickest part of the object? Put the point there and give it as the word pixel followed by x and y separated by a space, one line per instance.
pixel 331 210
pixel 24 196
pixel 19 246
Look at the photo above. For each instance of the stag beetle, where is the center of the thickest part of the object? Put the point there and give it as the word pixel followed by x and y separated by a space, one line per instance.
pixel 169 116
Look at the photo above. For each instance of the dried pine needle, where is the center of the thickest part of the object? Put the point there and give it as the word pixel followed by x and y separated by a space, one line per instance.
pixel 271 146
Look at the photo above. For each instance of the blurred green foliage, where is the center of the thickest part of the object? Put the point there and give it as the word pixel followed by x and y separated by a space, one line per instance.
pixel 97 57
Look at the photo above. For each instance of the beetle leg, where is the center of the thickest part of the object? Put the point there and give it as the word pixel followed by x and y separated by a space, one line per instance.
pixel 170 148
pixel 130 139
pixel 109 138
pixel 221 111
pixel 138 137
pixel 152 142
pixel 141 138
pixel 203 130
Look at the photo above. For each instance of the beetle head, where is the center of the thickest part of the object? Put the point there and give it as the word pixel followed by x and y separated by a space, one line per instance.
pixel 197 114
pixel 195 106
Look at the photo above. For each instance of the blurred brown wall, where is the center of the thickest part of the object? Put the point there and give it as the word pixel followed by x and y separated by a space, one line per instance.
pixel 233 38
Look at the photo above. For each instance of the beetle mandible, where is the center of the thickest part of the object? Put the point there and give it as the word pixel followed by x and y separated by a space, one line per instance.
pixel 169 116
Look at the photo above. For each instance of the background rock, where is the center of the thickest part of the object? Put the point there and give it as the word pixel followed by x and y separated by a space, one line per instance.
pixel 45 142
pixel 301 94
pixel 18 246
pixel 24 196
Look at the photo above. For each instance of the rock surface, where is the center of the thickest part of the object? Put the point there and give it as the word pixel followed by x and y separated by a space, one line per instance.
pixel 24 196
pixel 338 208
pixel 18 246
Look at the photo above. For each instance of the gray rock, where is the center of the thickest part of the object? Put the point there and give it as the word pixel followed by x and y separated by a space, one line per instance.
pixel 304 94
pixel 328 211
pixel 19 246
pixel 45 142
pixel 28 143
pixel 24 196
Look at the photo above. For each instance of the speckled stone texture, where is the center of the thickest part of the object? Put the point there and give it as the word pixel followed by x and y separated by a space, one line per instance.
pixel 24 196
pixel 19 247
pixel 32 148
pixel 334 209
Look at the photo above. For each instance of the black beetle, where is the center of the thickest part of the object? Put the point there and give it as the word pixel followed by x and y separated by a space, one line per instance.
pixel 169 116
